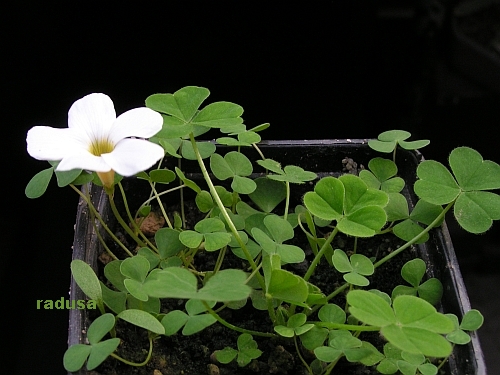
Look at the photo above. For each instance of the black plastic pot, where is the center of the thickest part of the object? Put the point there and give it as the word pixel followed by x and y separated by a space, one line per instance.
pixel 325 158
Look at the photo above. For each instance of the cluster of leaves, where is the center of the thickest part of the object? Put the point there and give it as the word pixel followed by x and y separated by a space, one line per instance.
pixel 252 218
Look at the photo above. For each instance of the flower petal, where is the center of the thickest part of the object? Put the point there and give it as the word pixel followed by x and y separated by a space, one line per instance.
pixel 84 160
pixel 131 156
pixel 138 122
pixel 46 143
pixel 94 115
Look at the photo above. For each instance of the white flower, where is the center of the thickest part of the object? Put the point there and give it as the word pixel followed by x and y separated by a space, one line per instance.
pixel 97 140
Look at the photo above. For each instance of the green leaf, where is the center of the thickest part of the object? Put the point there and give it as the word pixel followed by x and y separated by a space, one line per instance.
pixel 168 242
pixel 204 148
pixel 226 285
pixel 101 351
pixel 162 176
pixel 38 184
pixel 476 210
pixel 87 280
pixel 370 308
pixel 331 313
pixel 286 286
pixel 268 193
pixel 64 178
pixel 75 356
pixel 472 320
pixel 142 319
pixel 100 327
pixel 226 355
pixel 219 114
pixel 136 267
pixel 327 200
pixel 472 172
pixel 293 174
pixel 413 271
pixel 183 104
pixel 436 185
pixel 174 321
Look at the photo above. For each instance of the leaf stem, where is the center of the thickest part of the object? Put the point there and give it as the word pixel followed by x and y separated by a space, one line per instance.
pixel 233 327
pixel 416 238
pixel 230 223
pixel 124 224
pixel 114 355
pixel 99 217
pixel 318 256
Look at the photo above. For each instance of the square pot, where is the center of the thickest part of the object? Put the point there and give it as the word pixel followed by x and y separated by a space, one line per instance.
pixel 323 157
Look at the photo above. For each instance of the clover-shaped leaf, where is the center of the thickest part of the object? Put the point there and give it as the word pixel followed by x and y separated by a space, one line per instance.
pixel 246 138
pixel 88 281
pixel 355 268
pixel 290 173
pixel 413 271
pixel 268 193
pixel 135 270
pixel 296 325
pixel 278 230
pixel 358 209
pixel 471 321
pixel 474 209
pixel 175 282
pixel 247 351
pixel 389 140
pixel 341 342
pixel 382 175
pixel 412 324
pixel 97 351
pixel 234 165
pixel 423 212
pixel 211 230
pixel 194 321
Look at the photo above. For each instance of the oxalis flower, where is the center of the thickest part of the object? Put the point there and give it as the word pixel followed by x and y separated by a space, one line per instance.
pixel 97 140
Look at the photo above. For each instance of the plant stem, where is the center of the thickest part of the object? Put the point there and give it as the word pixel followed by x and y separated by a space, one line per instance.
pixel 124 224
pixel 349 327
pixel 114 355
pixel 99 217
pixel 132 220
pixel 300 355
pixel 287 200
pixel 318 256
pixel 230 223
pixel 233 327
pixel 153 189
pixel 417 237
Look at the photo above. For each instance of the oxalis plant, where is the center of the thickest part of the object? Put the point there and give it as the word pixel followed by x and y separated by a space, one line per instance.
pixel 243 216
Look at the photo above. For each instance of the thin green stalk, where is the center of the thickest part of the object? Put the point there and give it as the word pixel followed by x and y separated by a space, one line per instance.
pixel 230 223
pixel 287 200
pixel 114 355
pixel 300 355
pixel 348 327
pixel 322 251
pixel 99 217
pixel 132 220
pixel 233 327
pixel 123 223
pixel 416 238
pixel 153 189
pixel 258 150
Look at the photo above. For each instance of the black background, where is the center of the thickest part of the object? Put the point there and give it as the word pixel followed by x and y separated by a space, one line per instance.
pixel 323 69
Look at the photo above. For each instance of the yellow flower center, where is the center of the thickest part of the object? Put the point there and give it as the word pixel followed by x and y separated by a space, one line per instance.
pixel 101 146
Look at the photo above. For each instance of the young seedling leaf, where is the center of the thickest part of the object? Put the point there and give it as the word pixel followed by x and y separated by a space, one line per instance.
pixel 142 319
pixel 64 178
pixel 100 327
pixel 436 184
pixel 75 356
pixel 162 176
pixel 87 280
pixel 101 351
